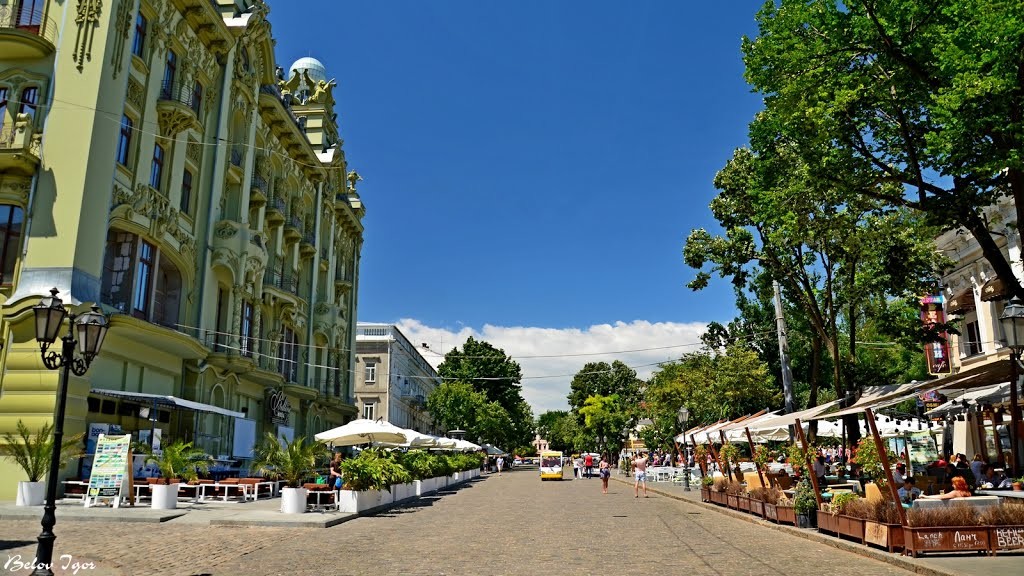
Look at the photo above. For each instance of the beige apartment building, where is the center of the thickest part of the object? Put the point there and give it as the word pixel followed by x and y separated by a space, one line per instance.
pixel 393 379
pixel 156 159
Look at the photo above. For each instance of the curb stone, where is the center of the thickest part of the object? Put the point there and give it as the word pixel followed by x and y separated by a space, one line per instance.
pixel 807 534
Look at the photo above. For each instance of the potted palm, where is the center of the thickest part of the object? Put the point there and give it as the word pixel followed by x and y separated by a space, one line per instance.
pixel 177 461
pixel 32 452
pixel 294 462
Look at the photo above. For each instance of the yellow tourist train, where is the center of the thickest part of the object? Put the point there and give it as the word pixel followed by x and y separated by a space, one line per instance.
pixel 550 465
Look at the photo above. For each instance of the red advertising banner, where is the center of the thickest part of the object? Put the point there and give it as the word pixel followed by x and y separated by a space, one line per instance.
pixel 937 353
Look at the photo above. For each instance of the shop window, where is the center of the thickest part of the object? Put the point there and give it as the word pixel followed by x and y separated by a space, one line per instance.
pixel 108 407
pixel 94 404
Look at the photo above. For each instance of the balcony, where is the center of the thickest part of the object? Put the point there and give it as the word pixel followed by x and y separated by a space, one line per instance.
pixel 177 109
pixel 307 247
pixel 275 211
pixel 325 258
pixel 19 147
pixel 26 33
pixel 280 281
pixel 343 279
pixel 258 190
pixel 292 229
pixel 236 163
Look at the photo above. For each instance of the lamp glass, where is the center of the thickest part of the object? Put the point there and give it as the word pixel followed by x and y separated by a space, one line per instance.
pixel 49 315
pixel 92 329
pixel 1012 320
pixel 683 415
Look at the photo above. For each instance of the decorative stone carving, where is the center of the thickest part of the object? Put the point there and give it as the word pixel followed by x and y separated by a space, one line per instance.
pixel 136 94
pixel 122 27
pixel 194 152
pixel 224 230
pixel 87 19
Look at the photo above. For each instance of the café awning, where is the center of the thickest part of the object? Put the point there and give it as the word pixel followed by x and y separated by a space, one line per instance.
pixel 994 289
pixel 961 302
pixel 167 402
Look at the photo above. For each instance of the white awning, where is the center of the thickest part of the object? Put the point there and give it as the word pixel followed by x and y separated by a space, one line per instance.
pixel 167 401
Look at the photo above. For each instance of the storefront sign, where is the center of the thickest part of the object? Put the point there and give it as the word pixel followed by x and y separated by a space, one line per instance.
pixel 110 473
pixel 278 408
pixel 936 353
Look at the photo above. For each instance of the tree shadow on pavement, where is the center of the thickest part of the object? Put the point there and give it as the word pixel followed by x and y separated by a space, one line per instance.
pixel 10 544
pixel 408 508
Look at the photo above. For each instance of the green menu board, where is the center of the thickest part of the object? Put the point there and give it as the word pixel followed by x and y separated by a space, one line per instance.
pixel 923 450
pixel 110 469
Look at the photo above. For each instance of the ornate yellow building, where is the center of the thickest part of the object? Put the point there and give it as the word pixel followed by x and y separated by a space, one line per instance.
pixel 154 159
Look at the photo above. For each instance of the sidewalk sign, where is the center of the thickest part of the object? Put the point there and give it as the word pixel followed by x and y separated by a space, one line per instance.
pixel 111 477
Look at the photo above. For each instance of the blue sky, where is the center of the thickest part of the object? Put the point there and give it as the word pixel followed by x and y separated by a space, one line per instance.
pixel 533 165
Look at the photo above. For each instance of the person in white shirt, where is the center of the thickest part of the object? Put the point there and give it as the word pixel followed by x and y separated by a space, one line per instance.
pixel 908 493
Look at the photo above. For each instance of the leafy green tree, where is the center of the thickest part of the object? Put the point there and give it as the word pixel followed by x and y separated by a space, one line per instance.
pixel 605 420
pixel 494 426
pixel 914 104
pixel 565 433
pixel 488 369
pixel 602 379
pixel 455 405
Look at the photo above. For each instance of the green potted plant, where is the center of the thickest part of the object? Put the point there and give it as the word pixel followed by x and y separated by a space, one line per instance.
pixel 293 461
pixel 177 461
pixel 805 505
pixel 368 479
pixel 32 453
pixel 1018 484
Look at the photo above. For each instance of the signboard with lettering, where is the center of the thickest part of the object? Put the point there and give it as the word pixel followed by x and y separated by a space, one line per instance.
pixel 111 472
pixel 938 539
pixel 936 353
pixel 923 450
pixel 1008 537
pixel 279 408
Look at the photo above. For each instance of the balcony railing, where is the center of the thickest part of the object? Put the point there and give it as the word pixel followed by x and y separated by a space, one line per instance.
pixel 237 155
pixel 277 203
pixel 260 183
pixel 178 92
pixel 285 282
pixel 295 222
pixel 18 16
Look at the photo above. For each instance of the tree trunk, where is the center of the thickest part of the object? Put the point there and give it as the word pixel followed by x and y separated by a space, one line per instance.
pixel 812 427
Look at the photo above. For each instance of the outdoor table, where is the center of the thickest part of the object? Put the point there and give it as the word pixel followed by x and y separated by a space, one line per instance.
pixel 138 491
pixel 319 494
pixel 243 487
pixel 78 485
pixel 1002 493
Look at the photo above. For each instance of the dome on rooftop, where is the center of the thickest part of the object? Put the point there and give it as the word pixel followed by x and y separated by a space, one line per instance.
pixel 316 69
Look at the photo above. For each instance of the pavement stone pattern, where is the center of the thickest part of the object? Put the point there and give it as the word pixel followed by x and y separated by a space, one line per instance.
pixel 508 524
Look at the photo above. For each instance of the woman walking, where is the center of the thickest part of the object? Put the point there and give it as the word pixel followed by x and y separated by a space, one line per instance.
pixel 605 472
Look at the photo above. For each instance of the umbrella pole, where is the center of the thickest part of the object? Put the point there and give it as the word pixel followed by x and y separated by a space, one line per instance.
pixel 760 475
pixel 884 457
pixel 714 453
pixel 810 467
pixel 721 435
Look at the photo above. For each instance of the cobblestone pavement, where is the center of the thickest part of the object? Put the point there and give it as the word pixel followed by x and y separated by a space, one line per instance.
pixel 512 524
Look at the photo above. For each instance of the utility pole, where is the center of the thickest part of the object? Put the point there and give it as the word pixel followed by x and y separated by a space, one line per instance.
pixel 787 373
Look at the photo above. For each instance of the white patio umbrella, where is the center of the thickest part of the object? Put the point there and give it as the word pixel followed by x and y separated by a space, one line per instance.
pixel 466 446
pixel 445 443
pixel 493 450
pixel 363 431
pixel 414 439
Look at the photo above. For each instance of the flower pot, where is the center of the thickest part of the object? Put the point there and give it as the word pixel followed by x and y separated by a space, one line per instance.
pixel 164 496
pixel 1017 486
pixel 293 500
pixel 805 521
pixel 31 493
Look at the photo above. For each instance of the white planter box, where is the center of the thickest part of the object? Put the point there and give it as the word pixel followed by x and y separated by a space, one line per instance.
pixel 164 496
pixel 31 493
pixel 357 502
pixel 403 492
pixel 293 500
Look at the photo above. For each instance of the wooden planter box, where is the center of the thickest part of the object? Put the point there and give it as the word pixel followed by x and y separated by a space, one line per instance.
pixel 786 515
pixel 705 495
pixel 1007 538
pixel 888 536
pixel 732 501
pixel 827 522
pixel 718 498
pixel 852 527
pixel 771 512
pixel 757 507
pixel 744 503
pixel 924 539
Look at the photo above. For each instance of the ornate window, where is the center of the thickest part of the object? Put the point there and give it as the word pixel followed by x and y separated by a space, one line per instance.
pixel 247 328
pixel 156 174
pixel 124 141
pixel 137 281
pixel 186 192
pixel 170 70
pixel 30 14
pixel 139 42
pixel 3 105
pixel 288 355
pixel 29 101
pixel 10 234
pixel 197 97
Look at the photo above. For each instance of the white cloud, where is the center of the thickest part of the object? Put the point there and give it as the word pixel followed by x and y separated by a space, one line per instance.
pixel 546 380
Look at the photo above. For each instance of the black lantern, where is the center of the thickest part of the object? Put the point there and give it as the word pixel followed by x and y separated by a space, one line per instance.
pixel 1012 320
pixel 92 328
pixel 50 315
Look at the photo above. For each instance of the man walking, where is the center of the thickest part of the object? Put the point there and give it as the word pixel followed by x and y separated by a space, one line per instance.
pixel 588 464
pixel 501 464
pixel 640 474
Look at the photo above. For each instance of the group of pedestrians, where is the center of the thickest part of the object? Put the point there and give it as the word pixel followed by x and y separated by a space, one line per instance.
pixel 583 467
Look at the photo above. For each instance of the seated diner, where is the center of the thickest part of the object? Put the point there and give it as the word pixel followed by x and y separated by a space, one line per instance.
pixel 959 490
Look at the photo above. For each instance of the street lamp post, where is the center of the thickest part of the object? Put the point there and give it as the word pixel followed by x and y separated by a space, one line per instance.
pixel 683 415
pixel 91 328
pixel 1012 320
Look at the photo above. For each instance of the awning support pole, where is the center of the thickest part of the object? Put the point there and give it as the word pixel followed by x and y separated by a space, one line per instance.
pixel 883 455
pixel 760 476
pixel 807 464
pixel 703 461
pixel 728 465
